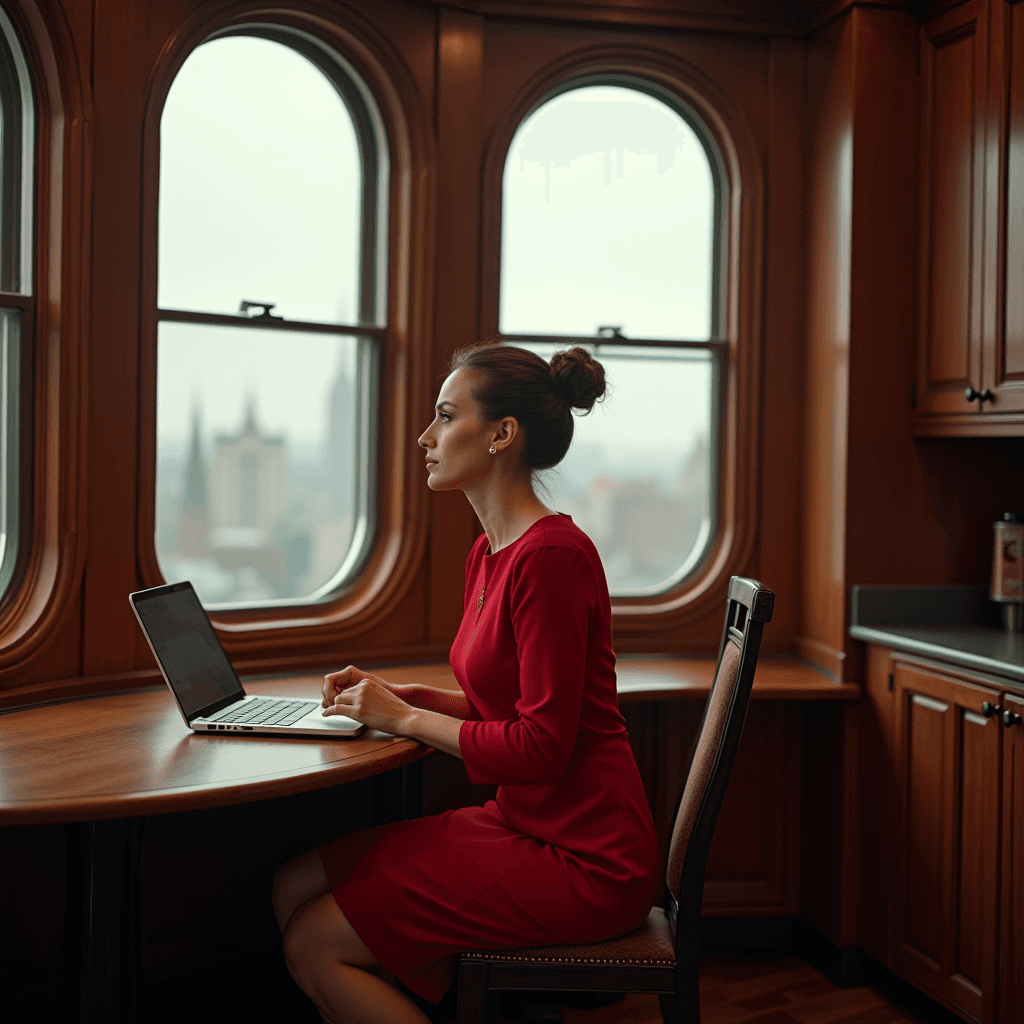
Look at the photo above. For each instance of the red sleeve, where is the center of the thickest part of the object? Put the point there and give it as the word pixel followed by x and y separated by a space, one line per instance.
pixel 453 703
pixel 552 601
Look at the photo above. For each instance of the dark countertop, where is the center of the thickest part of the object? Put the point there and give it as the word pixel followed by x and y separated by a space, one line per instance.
pixel 958 625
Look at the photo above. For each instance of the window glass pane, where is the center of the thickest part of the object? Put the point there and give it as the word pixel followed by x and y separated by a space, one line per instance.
pixel 607 220
pixel 262 460
pixel 17 137
pixel 260 181
pixel 638 476
pixel 10 346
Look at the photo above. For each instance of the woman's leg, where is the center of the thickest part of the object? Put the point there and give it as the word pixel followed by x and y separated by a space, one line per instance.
pixel 331 964
pixel 296 883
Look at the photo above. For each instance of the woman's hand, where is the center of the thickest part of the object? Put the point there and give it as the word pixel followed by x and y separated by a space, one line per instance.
pixel 378 704
pixel 366 698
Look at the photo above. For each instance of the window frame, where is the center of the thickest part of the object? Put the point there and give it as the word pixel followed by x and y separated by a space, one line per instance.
pixel 371 319
pixel 736 321
pixel 49 564
pixel 266 636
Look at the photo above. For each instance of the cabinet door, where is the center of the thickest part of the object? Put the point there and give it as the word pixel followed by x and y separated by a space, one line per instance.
pixel 953 105
pixel 1003 347
pixel 949 859
pixel 1011 903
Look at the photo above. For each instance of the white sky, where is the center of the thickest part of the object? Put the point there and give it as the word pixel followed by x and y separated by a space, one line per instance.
pixel 259 185
pixel 584 246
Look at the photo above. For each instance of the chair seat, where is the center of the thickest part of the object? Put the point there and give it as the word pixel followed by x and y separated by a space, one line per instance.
pixel 651 944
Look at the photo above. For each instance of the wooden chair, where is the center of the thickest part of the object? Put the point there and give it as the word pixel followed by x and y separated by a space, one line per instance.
pixel 661 955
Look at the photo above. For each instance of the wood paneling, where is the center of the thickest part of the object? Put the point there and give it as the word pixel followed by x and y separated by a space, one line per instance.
pixel 826 364
pixel 782 423
pixel 120 71
pixel 949 784
pixel 880 808
pixel 460 92
pixel 753 866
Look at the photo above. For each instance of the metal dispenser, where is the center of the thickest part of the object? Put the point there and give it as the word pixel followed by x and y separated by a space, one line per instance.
pixel 1008 569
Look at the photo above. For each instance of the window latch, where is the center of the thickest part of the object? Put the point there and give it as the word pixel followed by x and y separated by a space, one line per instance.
pixel 607 331
pixel 246 305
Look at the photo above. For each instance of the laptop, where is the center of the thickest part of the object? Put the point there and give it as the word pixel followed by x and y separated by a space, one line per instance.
pixel 204 684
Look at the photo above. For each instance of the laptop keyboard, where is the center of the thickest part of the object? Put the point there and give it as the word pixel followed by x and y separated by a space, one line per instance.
pixel 263 711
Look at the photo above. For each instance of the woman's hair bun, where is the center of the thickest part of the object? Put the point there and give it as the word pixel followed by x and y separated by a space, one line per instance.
pixel 578 377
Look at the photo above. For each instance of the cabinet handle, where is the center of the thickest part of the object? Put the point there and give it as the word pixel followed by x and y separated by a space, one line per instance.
pixel 985 396
pixel 1010 719
pixel 988 709
pixel 970 394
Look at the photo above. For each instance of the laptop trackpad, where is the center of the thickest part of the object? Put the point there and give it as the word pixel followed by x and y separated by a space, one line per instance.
pixel 332 723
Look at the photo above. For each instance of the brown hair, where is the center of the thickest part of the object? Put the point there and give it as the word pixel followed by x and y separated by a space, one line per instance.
pixel 511 381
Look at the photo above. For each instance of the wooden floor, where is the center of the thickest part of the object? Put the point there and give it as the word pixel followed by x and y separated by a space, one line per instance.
pixel 762 989
pixel 735 989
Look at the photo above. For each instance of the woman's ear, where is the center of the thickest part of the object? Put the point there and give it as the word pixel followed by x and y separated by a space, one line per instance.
pixel 507 431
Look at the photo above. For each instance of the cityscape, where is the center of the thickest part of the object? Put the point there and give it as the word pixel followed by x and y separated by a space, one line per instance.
pixel 250 518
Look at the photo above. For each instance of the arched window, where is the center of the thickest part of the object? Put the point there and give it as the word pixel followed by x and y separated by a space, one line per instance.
pixel 611 238
pixel 272 249
pixel 17 152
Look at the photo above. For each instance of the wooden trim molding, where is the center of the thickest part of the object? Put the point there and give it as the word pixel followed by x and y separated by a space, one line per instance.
pixel 741 317
pixel 402 519
pixel 822 656
pixel 55 352
pixel 820 13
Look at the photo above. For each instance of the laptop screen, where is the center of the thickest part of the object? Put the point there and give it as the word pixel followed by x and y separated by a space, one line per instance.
pixel 192 659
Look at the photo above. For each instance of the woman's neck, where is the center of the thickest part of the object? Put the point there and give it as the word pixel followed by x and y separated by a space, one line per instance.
pixel 507 510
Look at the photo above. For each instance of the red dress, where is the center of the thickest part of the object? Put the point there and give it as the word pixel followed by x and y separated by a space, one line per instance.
pixel 567 851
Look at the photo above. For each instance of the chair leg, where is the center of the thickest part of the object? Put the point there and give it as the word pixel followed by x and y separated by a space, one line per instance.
pixel 670 1010
pixel 683 1006
pixel 475 1004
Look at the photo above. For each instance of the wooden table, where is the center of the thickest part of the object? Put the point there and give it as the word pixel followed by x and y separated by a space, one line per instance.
pixel 101 765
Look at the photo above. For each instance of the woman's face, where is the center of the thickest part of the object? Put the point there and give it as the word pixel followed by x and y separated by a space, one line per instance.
pixel 458 439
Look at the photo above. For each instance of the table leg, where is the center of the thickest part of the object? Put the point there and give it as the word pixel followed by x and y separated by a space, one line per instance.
pixel 101 959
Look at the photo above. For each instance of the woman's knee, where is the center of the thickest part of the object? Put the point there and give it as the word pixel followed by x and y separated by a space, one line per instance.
pixel 318 934
pixel 295 883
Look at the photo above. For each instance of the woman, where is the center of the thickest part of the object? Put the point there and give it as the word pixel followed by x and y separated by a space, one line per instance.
pixel 566 852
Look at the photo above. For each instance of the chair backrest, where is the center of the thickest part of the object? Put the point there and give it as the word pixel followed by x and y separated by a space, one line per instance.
pixel 748 607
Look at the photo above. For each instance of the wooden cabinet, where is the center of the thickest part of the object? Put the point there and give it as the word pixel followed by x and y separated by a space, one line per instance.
pixel 970 372
pixel 942 834
pixel 1011 896
pixel 948 777
pixel 953 105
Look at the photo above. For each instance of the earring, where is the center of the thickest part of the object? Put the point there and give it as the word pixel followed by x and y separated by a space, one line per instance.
pixel 493 450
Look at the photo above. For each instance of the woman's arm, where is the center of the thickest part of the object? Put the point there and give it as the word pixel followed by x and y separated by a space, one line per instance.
pixel 381 705
pixel 452 703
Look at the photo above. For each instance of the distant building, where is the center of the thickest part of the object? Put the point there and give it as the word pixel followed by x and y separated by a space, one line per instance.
pixel 339 451
pixel 250 485
pixel 193 521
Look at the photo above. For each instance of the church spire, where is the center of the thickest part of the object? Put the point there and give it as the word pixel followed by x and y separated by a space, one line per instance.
pixel 196 495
